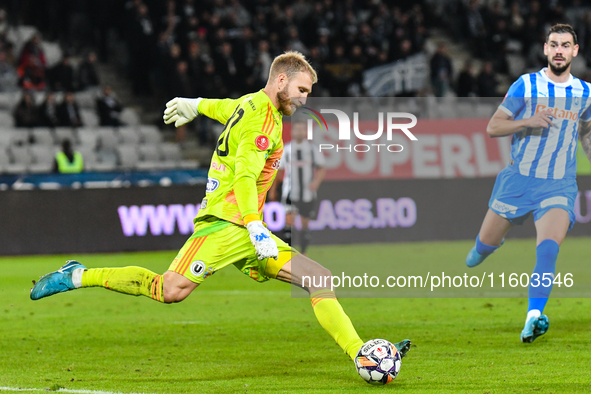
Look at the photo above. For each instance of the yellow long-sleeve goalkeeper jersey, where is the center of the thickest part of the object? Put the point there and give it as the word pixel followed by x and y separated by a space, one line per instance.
pixel 246 159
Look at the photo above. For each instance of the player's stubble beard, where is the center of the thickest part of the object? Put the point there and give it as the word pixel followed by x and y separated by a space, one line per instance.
pixel 556 70
pixel 284 101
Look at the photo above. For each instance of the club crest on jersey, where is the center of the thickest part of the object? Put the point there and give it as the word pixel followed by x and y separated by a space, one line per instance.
pixel 212 185
pixel 262 142
pixel 197 267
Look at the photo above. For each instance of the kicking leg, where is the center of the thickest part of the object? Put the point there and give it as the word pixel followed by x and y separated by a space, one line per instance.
pixel 551 229
pixel 327 309
pixel 168 288
pixel 177 287
pixel 491 237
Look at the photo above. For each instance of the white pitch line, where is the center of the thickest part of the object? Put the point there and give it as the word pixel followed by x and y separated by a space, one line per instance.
pixel 65 391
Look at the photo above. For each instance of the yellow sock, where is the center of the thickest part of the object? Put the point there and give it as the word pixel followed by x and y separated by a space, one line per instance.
pixel 128 280
pixel 335 321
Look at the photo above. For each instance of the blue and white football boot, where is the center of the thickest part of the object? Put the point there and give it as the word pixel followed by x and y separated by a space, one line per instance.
pixel 534 327
pixel 56 282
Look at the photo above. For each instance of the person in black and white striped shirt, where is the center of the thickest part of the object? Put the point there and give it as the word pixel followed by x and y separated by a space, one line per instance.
pixel 304 172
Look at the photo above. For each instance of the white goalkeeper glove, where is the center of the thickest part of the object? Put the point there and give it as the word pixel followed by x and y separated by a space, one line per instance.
pixel 260 237
pixel 181 111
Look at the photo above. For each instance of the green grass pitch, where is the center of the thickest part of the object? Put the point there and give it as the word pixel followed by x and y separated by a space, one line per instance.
pixel 233 335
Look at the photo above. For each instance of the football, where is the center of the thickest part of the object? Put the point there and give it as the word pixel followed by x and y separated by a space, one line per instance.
pixel 378 362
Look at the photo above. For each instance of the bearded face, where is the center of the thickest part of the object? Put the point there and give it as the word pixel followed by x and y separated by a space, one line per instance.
pixel 560 50
pixel 558 65
pixel 284 100
pixel 294 93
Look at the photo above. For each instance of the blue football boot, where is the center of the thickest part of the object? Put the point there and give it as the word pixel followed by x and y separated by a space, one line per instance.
pixel 474 258
pixel 56 282
pixel 403 347
pixel 534 327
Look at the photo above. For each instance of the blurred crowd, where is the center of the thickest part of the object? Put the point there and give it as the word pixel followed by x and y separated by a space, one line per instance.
pixel 61 109
pixel 492 30
pixel 48 98
pixel 33 72
pixel 223 48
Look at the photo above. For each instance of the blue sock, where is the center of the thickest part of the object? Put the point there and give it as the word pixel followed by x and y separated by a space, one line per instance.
pixel 484 249
pixel 546 254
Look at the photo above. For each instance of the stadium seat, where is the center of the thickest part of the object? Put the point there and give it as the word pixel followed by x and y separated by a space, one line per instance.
pixel 465 110
pixel 89 117
pixel 129 135
pixel 21 159
pixel 53 52
pixel 43 157
pixel 62 133
pixel 128 156
pixel 189 164
pixel 89 156
pixel 15 168
pixel 87 137
pixel 107 161
pixel 18 136
pixel 87 99
pixel 130 117
pixel 150 134
pixel 6 119
pixel 107 138
pixel 39 97
pixel 41 136
pixel 20 35
pixel 149 157
pixel 4 160
pixel 5 136
pixel 485 110
pixel 8 100
pixel 171 153
pixel 447 109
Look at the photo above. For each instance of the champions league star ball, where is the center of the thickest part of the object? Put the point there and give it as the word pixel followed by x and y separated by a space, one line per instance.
pixel 378 362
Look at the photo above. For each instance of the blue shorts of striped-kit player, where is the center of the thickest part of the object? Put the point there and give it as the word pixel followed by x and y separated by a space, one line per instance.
pixel 516 196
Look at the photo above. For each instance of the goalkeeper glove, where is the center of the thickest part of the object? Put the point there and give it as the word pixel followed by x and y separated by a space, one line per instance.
pixel 260 237
pixel 181 111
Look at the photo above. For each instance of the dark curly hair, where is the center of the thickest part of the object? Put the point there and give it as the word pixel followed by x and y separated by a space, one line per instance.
pixel 560 29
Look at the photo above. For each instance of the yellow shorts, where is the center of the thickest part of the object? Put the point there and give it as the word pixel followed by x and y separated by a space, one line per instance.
pixel 217 243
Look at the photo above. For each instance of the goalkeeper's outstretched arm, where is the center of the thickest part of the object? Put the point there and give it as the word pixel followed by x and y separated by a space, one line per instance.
pixel 181 110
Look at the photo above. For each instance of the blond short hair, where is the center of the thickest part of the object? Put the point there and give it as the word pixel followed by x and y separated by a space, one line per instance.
pixel 290 63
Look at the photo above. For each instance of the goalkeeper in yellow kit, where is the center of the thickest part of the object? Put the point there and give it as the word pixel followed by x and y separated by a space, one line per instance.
pixel 228 228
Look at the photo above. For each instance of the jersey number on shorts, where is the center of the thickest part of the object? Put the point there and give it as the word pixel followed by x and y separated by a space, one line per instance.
pixel 225 137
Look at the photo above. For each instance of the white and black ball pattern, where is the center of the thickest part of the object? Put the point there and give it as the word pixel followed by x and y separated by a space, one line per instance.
pixel 378 362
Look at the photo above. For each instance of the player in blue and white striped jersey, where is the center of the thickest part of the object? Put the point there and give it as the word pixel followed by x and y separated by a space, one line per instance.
pixel 543 112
